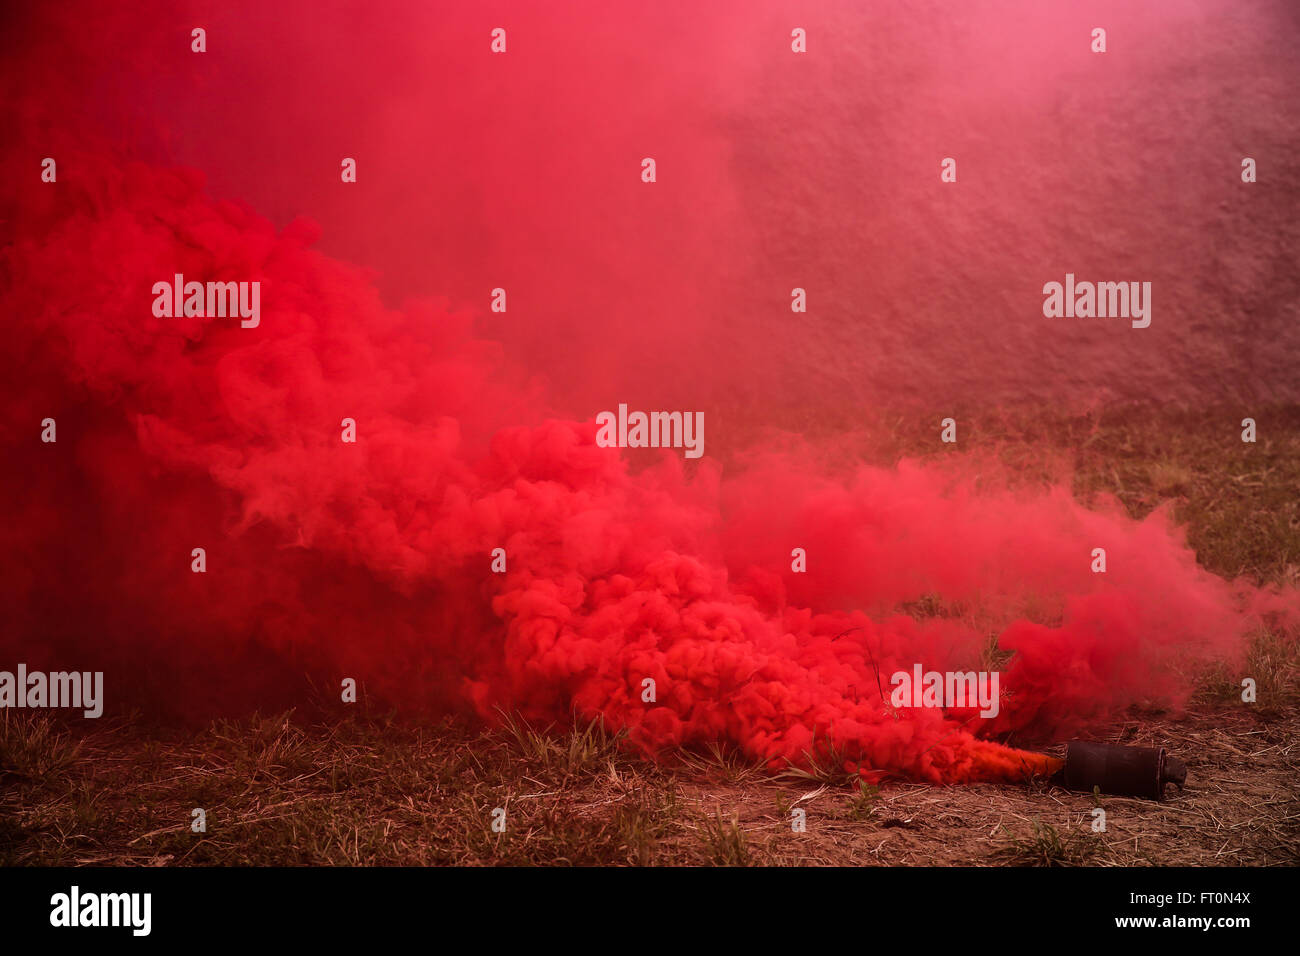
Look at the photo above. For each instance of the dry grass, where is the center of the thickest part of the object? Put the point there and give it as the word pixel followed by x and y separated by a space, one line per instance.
pixel 380 792
pixel 278 790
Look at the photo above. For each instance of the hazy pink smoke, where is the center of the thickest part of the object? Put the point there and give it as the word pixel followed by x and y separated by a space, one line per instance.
pixel 372 560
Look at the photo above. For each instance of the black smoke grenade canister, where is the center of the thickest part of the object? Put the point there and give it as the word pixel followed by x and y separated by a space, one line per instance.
pixel 1121 771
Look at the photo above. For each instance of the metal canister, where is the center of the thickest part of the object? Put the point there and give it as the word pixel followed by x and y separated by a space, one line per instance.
pixel 1121 771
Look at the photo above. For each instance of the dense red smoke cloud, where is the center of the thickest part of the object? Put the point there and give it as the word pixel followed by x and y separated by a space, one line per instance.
pixel 371 560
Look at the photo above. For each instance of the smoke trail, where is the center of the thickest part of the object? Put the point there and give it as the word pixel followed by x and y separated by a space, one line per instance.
pixel 372 559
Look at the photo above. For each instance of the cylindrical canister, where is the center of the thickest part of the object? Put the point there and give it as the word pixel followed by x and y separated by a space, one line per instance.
pixel 1121 771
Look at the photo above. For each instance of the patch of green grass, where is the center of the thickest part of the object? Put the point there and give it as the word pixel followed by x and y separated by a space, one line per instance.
pixel 1045 845
pixel 863 802
pixel 724 841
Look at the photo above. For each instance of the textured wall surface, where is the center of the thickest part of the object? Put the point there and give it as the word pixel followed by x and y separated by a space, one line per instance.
pixel 774 171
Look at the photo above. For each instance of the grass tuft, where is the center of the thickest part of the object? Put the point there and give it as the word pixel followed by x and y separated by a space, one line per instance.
pixel 724 841
pixel 33 748
pixel 1045 845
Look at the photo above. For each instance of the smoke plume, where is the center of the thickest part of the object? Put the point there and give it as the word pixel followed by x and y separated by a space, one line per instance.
pixel 371 560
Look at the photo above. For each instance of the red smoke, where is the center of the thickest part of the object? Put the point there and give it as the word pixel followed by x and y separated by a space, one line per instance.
pixel 371 560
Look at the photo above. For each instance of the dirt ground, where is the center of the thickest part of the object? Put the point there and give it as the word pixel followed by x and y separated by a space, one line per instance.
pixel 1240 807
pixel 375 792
